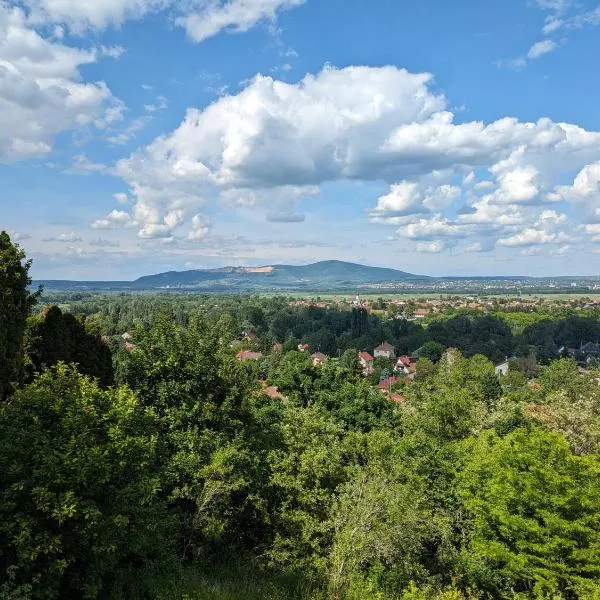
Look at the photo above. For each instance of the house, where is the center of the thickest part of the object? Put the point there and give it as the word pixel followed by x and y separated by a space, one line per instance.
pixel 250 336
pixel 406 365
pixel 248 355
pixel 127 336
pixel 319 359
pixel 590 349
pixel 566 351
pixel 386 350
pixel 274 393
pixel 502 368
pixel 303 347
pixel 366 362
pixel 421 313
pixel 387 383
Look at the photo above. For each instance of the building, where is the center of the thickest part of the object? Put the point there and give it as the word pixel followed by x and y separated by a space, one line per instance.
pixel 386 350
pixel 406 365
pixel 274 393
pixel 319 359
pixel 502 368
pixel 303 347
pixel 248 355
pixel 366 362
pixel 386 384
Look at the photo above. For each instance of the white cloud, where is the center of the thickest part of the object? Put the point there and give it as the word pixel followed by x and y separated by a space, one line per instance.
pixel 64 237
pixel 214 16
pixel 431 247
pixel 540 48
pixel 584 193
pixel 274 142
pixel 80 15
pixel 430 229
pixel 530 237
pixel 17 236
pixel 104 243
pixel 164 229
pixel 121 197
pixel 82 164
pixel 116 219
pixel 200 228
pixel 41 89
pixel 130 132
pixel 551 25
pixel 409 197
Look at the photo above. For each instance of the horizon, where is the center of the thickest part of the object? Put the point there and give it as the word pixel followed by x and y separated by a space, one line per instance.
pixel 231 266
pixel 454 141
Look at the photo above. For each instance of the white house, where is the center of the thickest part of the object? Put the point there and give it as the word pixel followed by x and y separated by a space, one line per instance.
pixel 502 368
pixel 386 350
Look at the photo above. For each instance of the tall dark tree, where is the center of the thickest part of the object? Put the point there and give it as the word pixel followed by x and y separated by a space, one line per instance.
pixel 62 337
pixel 15 303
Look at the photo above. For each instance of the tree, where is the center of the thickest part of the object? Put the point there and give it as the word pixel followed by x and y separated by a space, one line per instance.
pixel 534 508
pixel 79 502
pixel 432 350
pixel 62 337
pixel 349 361
pixel 16 302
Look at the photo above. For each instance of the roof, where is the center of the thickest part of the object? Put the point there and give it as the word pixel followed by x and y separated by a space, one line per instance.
pixel 319 356
pixel 385 347
pixel 273 392
pixel 386 383
pixel 248 355
pixel 365 356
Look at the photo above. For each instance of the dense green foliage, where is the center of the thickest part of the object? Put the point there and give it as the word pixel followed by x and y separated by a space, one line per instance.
pixel 196 475
pixel 15 304
pixel 62 337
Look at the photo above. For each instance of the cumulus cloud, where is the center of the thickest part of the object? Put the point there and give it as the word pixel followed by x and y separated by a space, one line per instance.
pixel 432 247
pixel 80 15
pixel 121 197
pixel 116 219
pixel 212 17
pixel 410 197
pixel 200 228
pixel 584 193
pixel 530 237
pixel 70 237
pixel 41 89
pixel 201 19
pixel 274 142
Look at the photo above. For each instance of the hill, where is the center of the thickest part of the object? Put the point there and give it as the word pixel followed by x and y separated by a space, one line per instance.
pixel 324 275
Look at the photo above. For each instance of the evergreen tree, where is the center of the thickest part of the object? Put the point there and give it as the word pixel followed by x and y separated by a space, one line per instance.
pixel 15 304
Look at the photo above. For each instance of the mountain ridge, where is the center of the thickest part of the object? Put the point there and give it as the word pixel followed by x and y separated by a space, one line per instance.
pixel 322 274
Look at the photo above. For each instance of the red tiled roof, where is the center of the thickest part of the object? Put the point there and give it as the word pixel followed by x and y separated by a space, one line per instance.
pixel 319 356
pixel 385 347
pixel 273 392
pixel 365 356
pixel 386 383
pixel 248 355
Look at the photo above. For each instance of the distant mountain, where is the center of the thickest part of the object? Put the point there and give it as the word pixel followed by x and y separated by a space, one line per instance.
pixel 325 275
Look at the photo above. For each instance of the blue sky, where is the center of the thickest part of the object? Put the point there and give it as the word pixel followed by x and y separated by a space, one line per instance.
pixel 442 138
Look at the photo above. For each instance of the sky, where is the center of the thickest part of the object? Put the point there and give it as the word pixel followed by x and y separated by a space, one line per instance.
pixel 439 138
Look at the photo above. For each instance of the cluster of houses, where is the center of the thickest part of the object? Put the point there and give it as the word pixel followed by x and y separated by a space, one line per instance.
pixel 584 355
pixel 405 365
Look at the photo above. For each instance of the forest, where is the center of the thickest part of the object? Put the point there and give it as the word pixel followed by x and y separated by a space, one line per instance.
pixel 141 459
